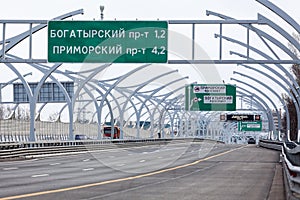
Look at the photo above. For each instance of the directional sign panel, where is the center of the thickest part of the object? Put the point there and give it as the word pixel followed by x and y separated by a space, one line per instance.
pixel 250 126
pixel 212 97
pixel 108 41
pixel 242 117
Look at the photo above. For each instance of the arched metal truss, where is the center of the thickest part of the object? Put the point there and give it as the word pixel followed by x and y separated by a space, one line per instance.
pixel 97 103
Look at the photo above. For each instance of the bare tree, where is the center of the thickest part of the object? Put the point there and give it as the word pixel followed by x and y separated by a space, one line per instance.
pixel 292 47
pixel 1 112
pixel 295 70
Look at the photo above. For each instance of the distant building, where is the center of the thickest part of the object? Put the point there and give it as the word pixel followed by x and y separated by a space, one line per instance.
pixel 275 118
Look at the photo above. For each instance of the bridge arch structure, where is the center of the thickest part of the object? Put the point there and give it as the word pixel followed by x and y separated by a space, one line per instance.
pixel 141 111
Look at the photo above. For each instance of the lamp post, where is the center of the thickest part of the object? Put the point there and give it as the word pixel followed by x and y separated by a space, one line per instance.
pixel 101 12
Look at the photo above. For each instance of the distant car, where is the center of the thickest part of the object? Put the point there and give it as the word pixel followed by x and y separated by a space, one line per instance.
pixel 251 141
pixel 81 137
pixel 107 132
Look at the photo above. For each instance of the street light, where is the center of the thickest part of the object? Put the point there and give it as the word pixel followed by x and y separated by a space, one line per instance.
pixel 101 12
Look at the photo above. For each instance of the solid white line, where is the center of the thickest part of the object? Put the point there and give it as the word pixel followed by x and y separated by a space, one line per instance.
pixel 39 175
pixel 10 168
pixel 88 169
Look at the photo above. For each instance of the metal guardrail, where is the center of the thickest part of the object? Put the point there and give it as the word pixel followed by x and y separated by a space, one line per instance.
pixel 291 165
pixel 290 157
pixel 275 145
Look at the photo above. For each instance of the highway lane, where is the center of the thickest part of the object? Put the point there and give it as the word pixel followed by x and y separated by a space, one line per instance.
pixel 83 168
pixel 128 173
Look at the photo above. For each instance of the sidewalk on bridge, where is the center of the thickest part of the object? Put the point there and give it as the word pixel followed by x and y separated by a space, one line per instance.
pixel 277 189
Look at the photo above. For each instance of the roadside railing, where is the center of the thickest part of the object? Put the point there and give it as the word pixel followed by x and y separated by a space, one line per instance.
pixel 291 167
pixel 290 157
pixel 270 144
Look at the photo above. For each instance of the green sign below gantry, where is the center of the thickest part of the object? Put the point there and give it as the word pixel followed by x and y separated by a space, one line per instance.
pixel 210 97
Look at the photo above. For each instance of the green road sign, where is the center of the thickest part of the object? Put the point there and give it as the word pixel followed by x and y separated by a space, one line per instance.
pixel 108 41
pixel 212 97
pixel 250 126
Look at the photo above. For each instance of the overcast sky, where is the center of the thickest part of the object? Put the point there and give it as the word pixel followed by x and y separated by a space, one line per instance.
pixel 132 9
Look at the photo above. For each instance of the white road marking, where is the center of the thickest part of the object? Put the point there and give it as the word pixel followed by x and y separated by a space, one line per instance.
pixel 10 168
pixel 113 150
pixel 39 175
pixel 40 157
pixel 159 157
pixel 20 161
pixel 88 169
pixel 141 161
pixel 53 164
pixel 121 165
pixel 86 160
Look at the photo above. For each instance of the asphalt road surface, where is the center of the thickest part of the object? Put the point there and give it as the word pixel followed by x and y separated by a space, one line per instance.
pixel 192 170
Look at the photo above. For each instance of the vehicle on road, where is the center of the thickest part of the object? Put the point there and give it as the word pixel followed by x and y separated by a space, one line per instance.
pixel 251 141
pixel 82 137
pixel 107 132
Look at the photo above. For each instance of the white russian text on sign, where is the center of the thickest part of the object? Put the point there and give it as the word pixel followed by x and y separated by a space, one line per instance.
pixel 218 99
pixel 217 89
pixel 253 125
pixel 108 41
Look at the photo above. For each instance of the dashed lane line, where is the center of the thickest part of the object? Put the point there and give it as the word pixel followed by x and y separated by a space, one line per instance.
pixel 53 164
pixel 120 179
pixel 88 169
pixel 39 175
pixel 10 168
